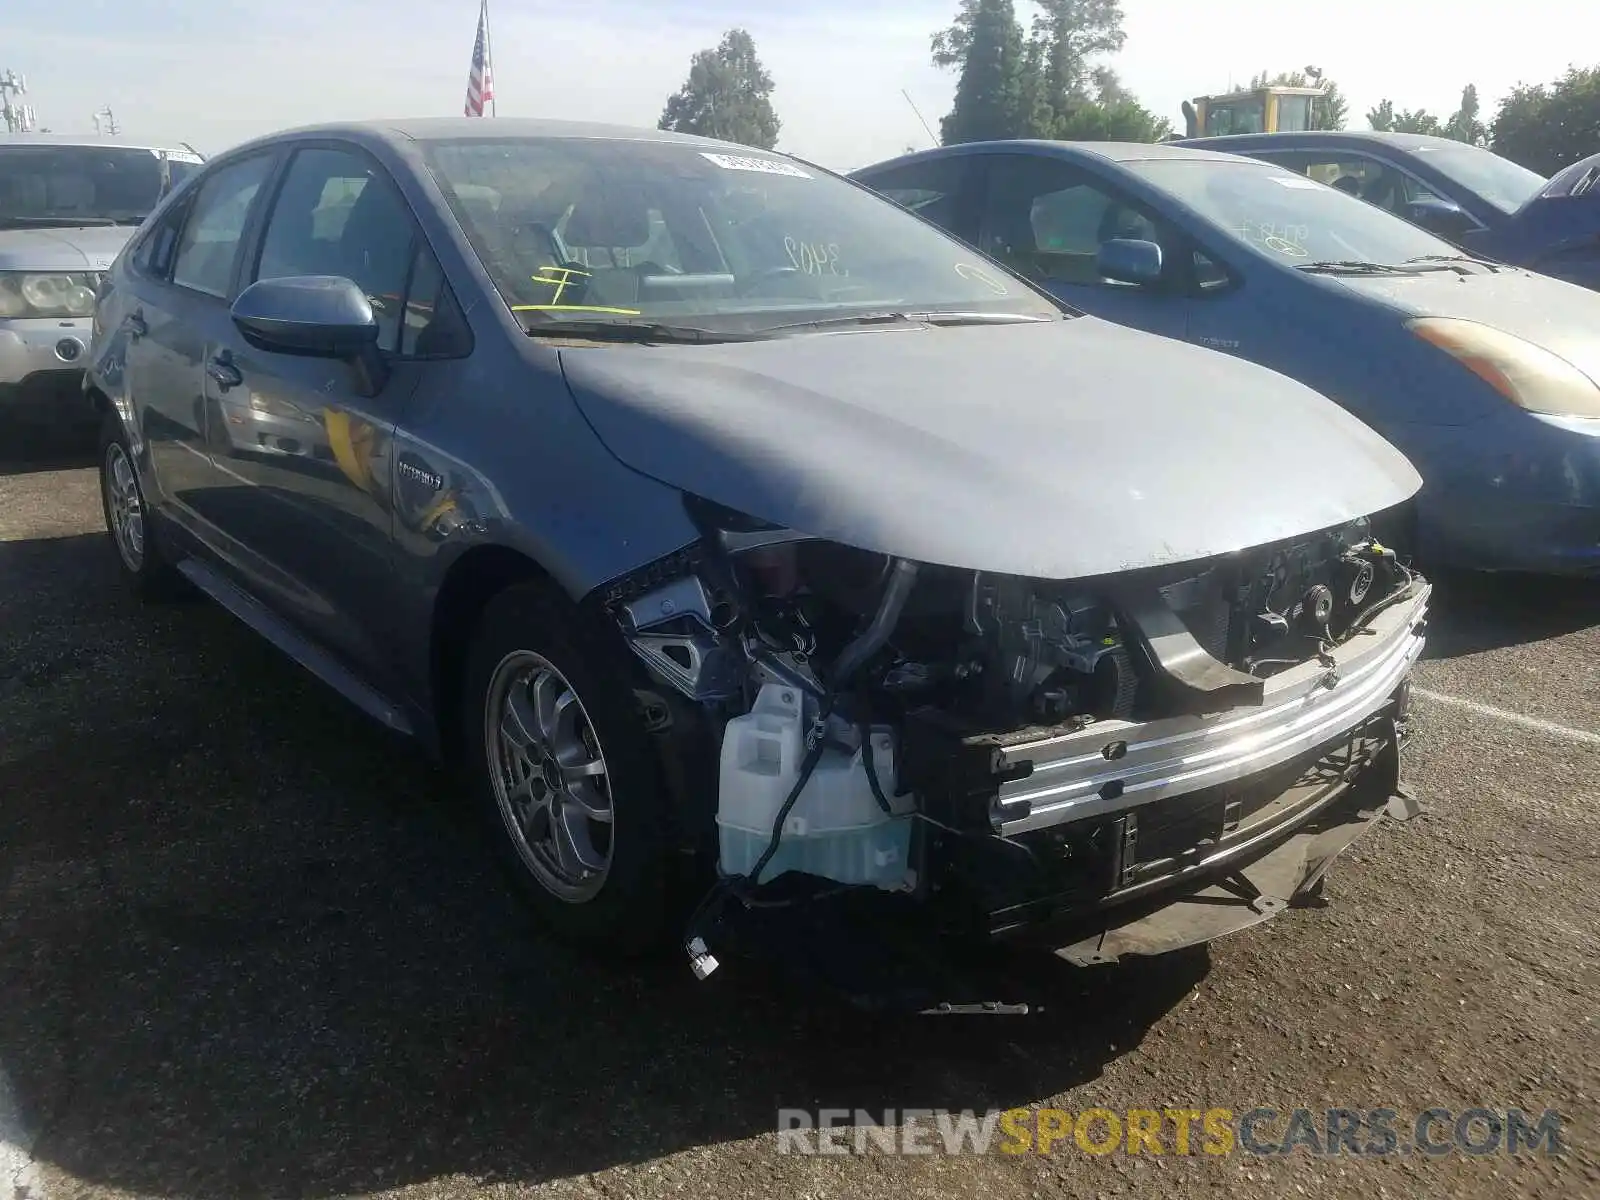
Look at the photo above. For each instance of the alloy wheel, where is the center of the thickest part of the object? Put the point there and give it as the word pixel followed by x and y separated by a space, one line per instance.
pixel 549 776
pixel 124 507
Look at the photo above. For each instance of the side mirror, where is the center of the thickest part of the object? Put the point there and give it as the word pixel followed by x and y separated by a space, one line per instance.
pixel 1129 260
pixel 1443 217
pixel 313 316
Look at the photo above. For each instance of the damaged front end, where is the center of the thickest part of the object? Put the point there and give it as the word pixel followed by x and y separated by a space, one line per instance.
pixel 889 760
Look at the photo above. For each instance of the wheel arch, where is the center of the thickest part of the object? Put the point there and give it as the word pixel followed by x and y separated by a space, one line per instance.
pixel 470 582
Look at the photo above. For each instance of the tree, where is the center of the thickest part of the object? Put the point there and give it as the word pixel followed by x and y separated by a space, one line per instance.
pixel 1546 128
pixel 986 43
pixel 1384 119
pixel 1071 33
pixel 1048 84
pixel 728 95
pixel 1464 125
pixel 1113 116
pixel 1330 111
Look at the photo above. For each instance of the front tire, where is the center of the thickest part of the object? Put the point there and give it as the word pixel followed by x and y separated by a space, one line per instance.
pixel 563 770
pixel 128 519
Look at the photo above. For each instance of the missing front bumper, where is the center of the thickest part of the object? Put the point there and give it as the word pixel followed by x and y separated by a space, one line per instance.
pixel 1255 889
pixel 1209 864
pixel 1111 766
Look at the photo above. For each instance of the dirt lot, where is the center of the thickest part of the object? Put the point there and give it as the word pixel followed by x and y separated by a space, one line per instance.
pixel 248 947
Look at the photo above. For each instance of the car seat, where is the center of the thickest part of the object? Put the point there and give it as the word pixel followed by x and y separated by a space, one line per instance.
pixel 289 247
pixel 1120 222
pixel 613 219
pixel 375 250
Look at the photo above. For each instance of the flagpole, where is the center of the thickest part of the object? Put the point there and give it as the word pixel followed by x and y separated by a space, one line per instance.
pixel 488 58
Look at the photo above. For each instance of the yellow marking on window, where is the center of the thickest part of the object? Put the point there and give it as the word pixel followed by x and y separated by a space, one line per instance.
pixel 594 308
pixel 557 277
pixel 977 275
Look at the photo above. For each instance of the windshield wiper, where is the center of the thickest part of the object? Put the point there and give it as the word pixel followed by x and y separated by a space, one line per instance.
pixel 1352 266
pixel 911 318
pixel 634 331
pixel 53 222
pixel 1458 258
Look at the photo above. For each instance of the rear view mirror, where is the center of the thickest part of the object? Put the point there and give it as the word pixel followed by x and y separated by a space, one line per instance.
pixel 1129 260
pixel 314 316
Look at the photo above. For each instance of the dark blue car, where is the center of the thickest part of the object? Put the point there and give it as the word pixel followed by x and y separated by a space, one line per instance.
pixel 1466 194
pixel 1483 374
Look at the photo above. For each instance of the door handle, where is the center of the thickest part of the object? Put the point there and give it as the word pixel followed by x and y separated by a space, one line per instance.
pixel 222 370
pixel 136 326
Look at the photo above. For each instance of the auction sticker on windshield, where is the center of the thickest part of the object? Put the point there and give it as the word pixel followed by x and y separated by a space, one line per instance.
pixel 1308 184
pixel 742 162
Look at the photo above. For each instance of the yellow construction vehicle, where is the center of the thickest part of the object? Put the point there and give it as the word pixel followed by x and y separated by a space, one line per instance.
pixel 1277 109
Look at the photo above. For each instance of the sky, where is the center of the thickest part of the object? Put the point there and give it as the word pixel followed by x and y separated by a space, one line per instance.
pixel 215 72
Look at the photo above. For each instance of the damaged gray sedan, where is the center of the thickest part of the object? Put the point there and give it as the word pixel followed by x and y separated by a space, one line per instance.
pixel 748 540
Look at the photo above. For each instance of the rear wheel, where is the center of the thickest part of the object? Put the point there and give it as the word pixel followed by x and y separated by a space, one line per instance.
pixel 564 770
pixel 128 518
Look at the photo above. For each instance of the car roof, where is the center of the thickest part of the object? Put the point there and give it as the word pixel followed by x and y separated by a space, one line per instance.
pixel 426 129
pixel 1332 137
pixel 93 141
pixel 1118 152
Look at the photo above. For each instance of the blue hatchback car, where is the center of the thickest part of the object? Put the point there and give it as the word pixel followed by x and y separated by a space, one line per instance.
pixel 1466 194
pixel 1484 375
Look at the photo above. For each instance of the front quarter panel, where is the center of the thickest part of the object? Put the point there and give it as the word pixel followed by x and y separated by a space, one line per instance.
pixel 494 453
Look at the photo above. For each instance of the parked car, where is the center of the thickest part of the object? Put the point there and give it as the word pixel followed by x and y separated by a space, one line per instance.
pixel 1483 375
pixel 67 206
pixel 708 508
pixel 1466 194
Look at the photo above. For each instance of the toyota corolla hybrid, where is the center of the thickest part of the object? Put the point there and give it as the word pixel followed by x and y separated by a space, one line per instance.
pixel 728 524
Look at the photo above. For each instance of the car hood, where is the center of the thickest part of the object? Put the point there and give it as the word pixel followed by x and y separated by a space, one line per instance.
pixel 88 248
pixel 1060 450
pixel 1561 317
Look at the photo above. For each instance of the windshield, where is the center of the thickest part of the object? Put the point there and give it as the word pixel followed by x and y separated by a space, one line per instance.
pixel 1498 180
pixel 94 185
pixel 1288 216
pixel 667 232
pixel 1294 113
pixel 1236 116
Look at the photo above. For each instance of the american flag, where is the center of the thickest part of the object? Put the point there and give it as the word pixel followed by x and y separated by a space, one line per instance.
pixel 480 83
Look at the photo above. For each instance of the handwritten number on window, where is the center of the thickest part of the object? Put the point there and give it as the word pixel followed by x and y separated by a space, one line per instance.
pixel 814 258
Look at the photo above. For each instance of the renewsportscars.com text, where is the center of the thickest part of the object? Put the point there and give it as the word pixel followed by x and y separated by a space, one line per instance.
pixel 1371 1132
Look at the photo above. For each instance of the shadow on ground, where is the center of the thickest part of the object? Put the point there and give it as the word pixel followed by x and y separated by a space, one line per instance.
pixel 249 946
pixel 26 447
pixel 1477 612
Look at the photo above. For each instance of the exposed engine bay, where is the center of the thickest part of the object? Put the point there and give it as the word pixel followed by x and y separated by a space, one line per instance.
pixel 869 720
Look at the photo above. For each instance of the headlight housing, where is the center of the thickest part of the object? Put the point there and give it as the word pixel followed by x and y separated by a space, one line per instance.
pixel 1529 376
pixel 47 293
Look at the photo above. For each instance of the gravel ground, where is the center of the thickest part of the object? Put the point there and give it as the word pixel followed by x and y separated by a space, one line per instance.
pixel 248 947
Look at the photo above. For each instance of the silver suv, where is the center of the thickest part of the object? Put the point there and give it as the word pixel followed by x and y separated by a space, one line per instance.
pixel 67 206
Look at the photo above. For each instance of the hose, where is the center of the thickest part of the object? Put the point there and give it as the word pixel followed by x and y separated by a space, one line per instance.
pixel 871 640
pixel 1360 620
pixel 808 764
pixel 895 593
